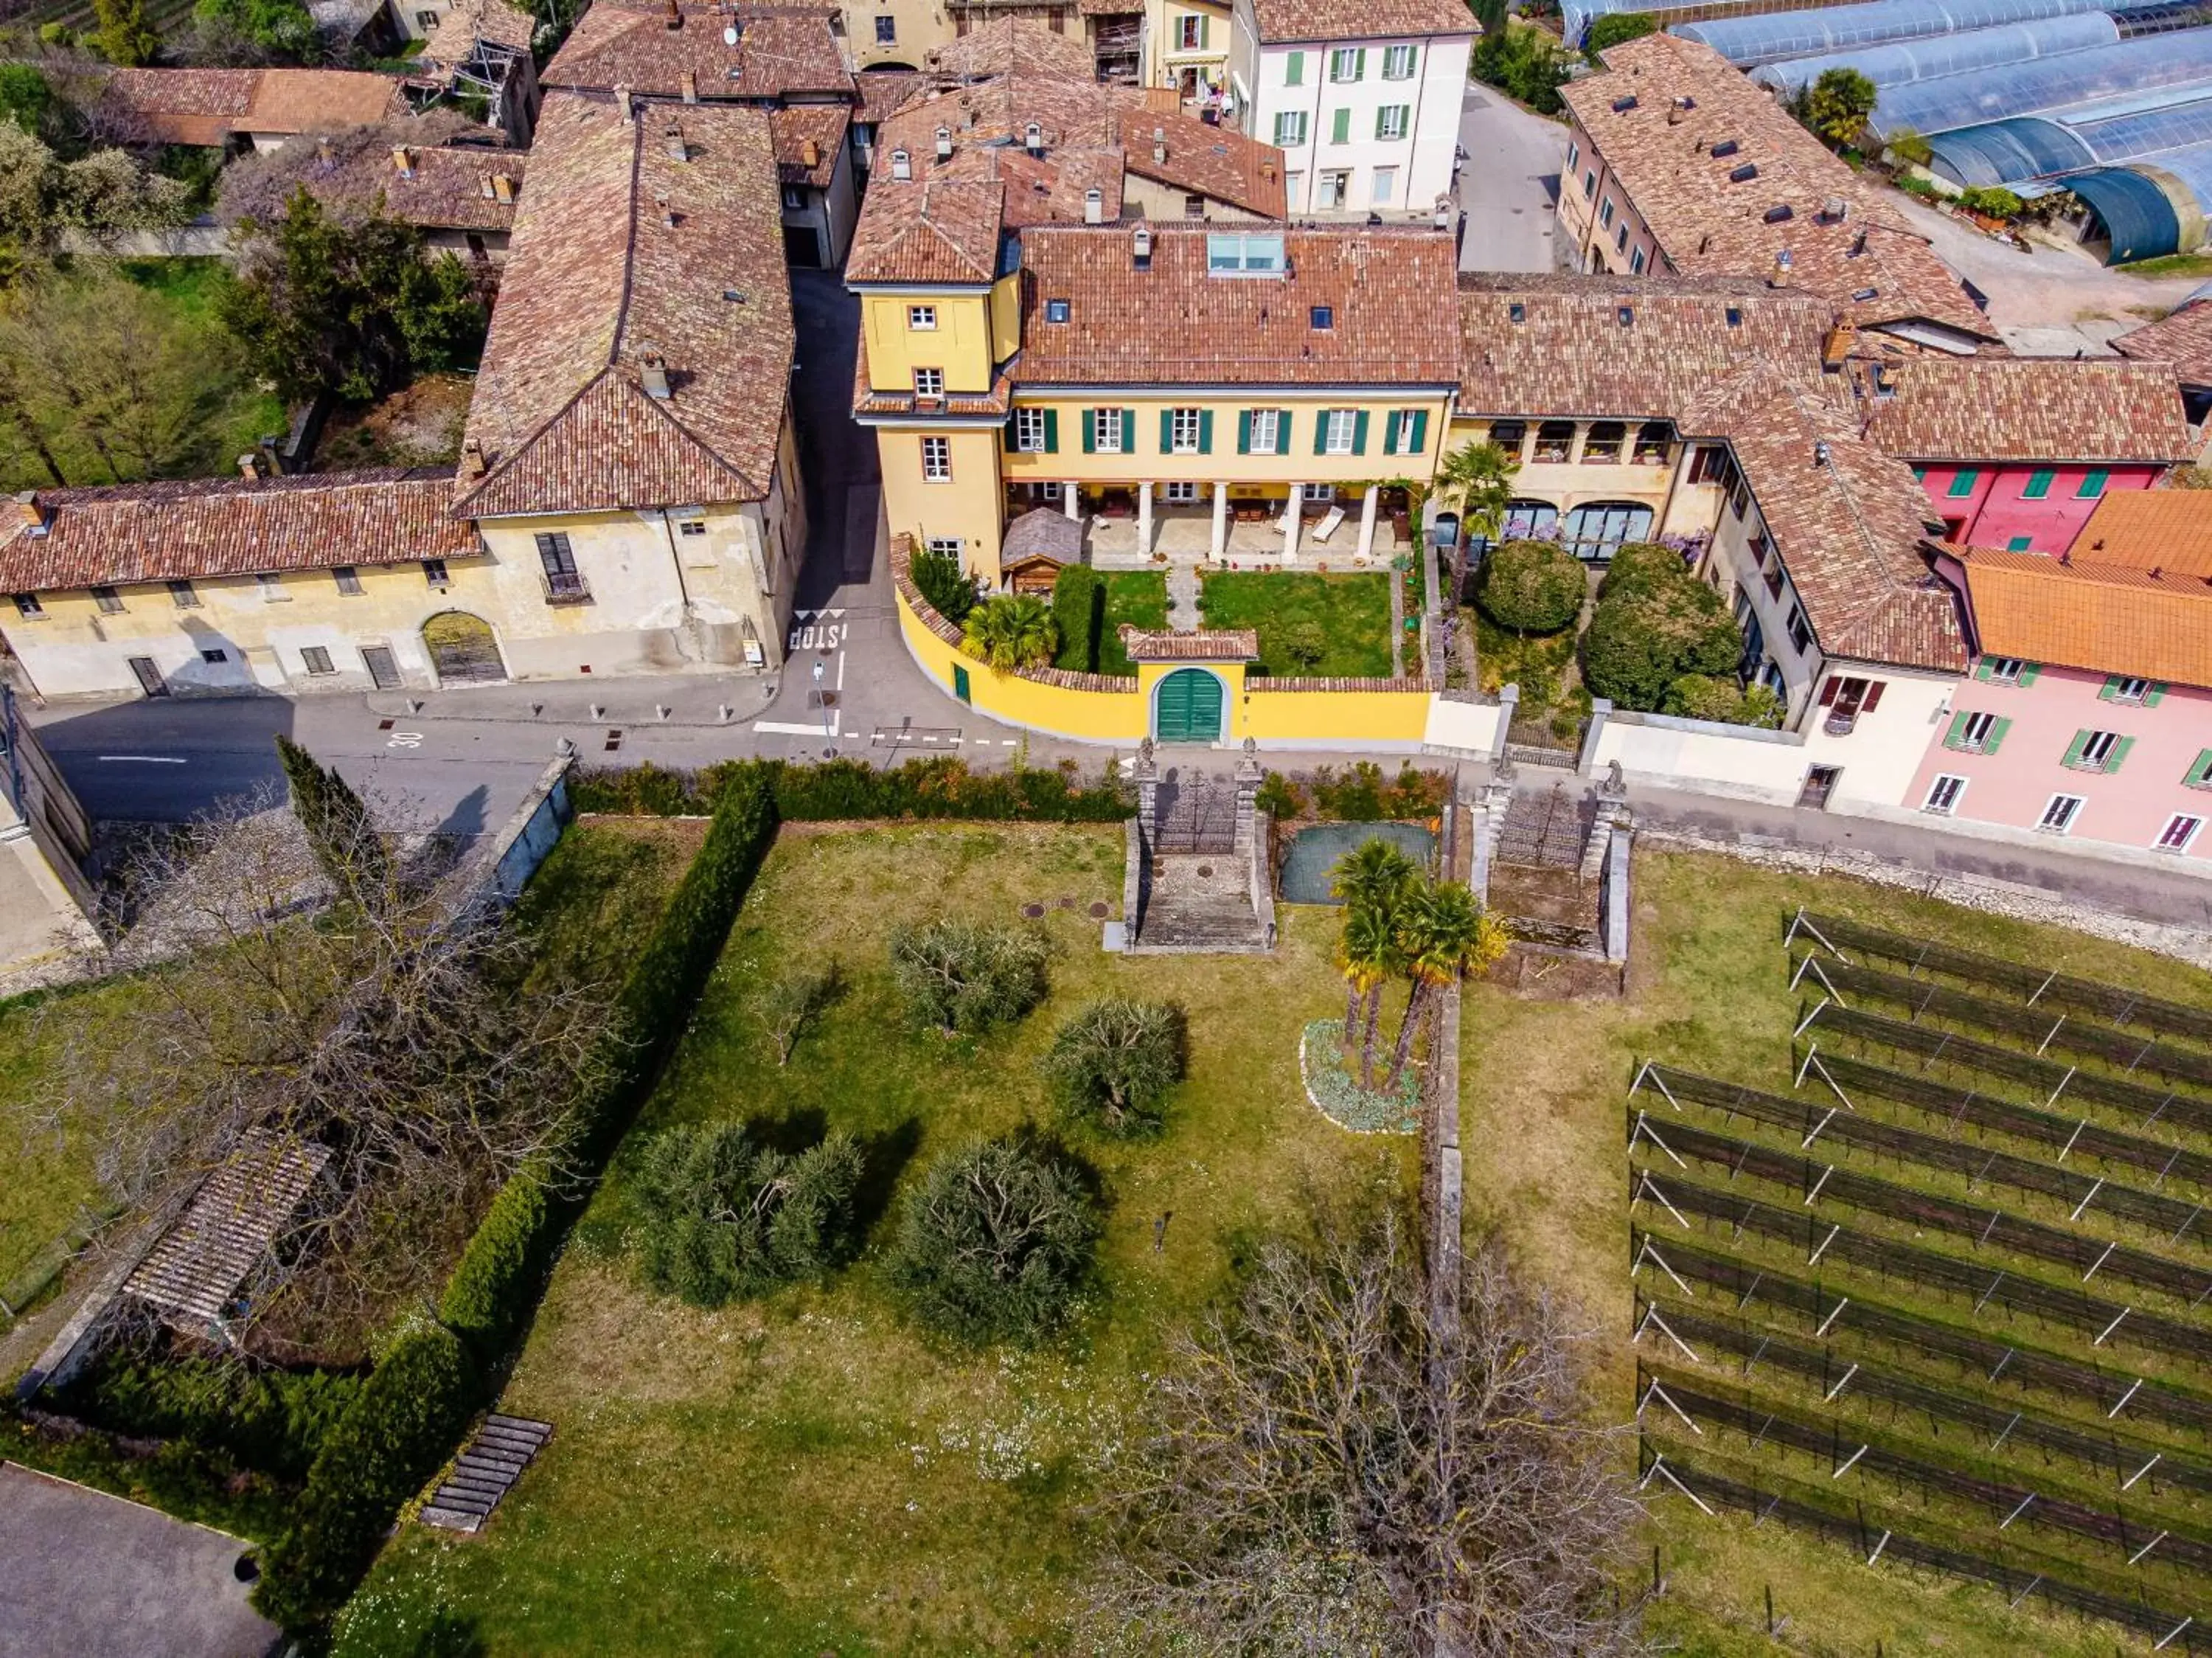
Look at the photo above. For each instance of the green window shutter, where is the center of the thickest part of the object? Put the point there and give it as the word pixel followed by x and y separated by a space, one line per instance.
pixel 1089 432
pixel 1205 432
pixel 1963 482
pixel 1205 28
pixel 1282 431
pixel 1128 431
pixel 2074 750
pixel 1006 435
pixel 2093 485
pixel 1958 730
pixel 2156 695
pixel 2039 485
pixel 1052 431
pixel 1998 730
pixel 1167 431
pixel 2027 673
pixel 1243 431
pixel 1420 444
pixel 1981 668
pixel 2201 773
pixel 1359 433
pixel 1382 115
pixel 1294 70
pixel 1321 431
pixel 2110 689
pixel 2119 754
pixel 1360 64
pixel 1340 130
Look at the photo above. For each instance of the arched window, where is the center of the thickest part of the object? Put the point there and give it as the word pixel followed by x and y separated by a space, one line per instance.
pixel 1595 531
pixel 1524 520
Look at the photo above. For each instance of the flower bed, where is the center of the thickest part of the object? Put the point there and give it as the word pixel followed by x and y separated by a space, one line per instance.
pixel 1340 1099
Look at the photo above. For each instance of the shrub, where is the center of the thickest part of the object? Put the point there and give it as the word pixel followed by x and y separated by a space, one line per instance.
pixel 1526 64
pixel 1302 644
pixel 1837 105
pixel 1079 609
pixel 1991 201
pixel 1355 798
pixel 956 976
pixel 1013 630
pixel 725 1216
pixel 271 1421
pixel 1710 697
pixel 939 786
pixel 489 1290
pixel 1612 27
pixel 1642 564
pixel 1280 797
pixel 1112 1063
pixel 948 589
pixel 1533 587
pixel 1643 638
pixel 996 1241
pixel 794 1000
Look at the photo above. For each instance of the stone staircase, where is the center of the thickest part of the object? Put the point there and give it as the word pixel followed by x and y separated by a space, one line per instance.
pixel 1199 901
pixel 484 1472
pixel 1202 883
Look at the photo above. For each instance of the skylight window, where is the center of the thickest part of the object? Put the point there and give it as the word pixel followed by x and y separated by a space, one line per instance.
pixel 1243 253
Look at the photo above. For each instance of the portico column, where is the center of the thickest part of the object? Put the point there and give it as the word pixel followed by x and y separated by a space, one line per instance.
pixel 1367 505
pixel 1294 512
pixel 1074 499
pixel 1145 519
pixel 1220 522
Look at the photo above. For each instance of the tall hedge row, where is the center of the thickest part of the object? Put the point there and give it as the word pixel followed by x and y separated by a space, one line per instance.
pixel 408 1416
pixel 936 786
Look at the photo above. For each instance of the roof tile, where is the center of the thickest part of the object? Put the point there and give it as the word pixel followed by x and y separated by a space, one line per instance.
pixel 942 231
pixel 2183 338
pixel 2101 618
pixel 1287 21
pixel 781 50
pixel 2056 409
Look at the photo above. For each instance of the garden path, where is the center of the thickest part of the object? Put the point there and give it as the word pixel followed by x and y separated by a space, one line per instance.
pixel 1182 595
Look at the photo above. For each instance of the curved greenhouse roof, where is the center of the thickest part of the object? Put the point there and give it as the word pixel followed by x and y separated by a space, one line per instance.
pixel 1897 62
pixel 2138 212
pixel 1774 36
pixel 2101 73
pixel 2037 146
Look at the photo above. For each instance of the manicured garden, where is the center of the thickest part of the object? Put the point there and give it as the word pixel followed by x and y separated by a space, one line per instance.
pixel 1311 624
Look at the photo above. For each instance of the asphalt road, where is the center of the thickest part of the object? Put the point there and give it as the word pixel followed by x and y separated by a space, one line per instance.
pixel 1509 184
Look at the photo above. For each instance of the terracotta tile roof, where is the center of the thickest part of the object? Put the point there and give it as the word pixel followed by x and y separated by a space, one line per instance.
pixel 1007 45
pixel 597 279
pixel 1569 354
pixel 1206 644
pixel 2164 530
pixel 793 128
pixel 781 50
pixel 2097 617
pixel 881 91
pixel 1284 21
pixel 1042 533
pixel 492 20
pixel 1868 259
pixel 1387 287
pixel 206 107
pixel 1110 8
pixel 1850 523
pixel 1184 152
pixel 2183 338
pixel 121 533
pixel 869 400
pixel 2056 409
pixel 920 232
pixel 450 189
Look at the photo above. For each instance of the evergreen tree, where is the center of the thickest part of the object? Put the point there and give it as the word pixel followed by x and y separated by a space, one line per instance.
pixel 345 844
pixel 123 35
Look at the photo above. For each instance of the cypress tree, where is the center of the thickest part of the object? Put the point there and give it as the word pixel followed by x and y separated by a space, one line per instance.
pixel 345 845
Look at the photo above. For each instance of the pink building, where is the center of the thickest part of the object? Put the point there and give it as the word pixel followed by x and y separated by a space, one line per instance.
pixel 2089 712
pixel 2016 452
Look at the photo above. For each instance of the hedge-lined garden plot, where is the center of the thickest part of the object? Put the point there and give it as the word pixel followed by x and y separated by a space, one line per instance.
pixel 1948 1301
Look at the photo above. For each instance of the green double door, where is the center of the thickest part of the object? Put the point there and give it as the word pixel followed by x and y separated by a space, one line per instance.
pixel 1188 707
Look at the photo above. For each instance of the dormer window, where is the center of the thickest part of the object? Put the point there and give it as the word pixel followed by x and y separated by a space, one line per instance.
pixel 1724 149
pixel 1517 312
pixel 1626 316
pixel 1323 316
pixel 901 165
pixel 1779 213
pixel 1056 310
pixel 1745 174
pixel 1244 254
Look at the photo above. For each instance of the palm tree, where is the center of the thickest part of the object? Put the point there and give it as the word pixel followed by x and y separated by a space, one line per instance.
pixel 1375 873
pixel 1476 479
pixel 1012 631
pixel 1446 935
pixel 1367 954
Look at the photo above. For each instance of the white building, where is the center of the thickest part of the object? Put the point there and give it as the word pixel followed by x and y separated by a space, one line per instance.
pixel 1362 96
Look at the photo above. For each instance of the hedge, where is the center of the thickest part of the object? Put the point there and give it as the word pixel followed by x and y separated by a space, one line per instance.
pixel 408 1416
pixel 1078 605
pixel 938 787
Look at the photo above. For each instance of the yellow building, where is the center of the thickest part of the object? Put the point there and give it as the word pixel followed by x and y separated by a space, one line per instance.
pixel 1256 394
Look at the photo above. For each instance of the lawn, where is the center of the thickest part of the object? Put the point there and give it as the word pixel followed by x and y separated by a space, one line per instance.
pixel 810 1472
pixel 1709 993
pixel 1139 597
pixel 1352 614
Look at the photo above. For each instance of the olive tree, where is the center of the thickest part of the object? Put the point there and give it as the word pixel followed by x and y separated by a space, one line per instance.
pixel 957 977
pixel 996 1241
pixel 1115 1061
pixel 725 1216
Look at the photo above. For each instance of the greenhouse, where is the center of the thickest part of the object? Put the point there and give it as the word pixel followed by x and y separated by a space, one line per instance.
pixel 2150 208
pixel 1899 61
pixel 2030 147
pixel 2101 73
pixel 1773 37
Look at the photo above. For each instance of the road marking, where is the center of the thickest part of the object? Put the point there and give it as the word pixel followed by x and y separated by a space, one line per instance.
pixel 788 728
pixel 404 740
pixel 1004 742
pixel 148 759
pixel 828 636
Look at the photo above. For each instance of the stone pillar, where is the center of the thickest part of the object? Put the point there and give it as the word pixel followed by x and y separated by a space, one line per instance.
pixel 1072 499
pixel 1367 503
pixel 1508 697
pixel 1145 519
pixel 1599 708
pixel 1294 512
pixel 1220 522
pixel 1248 773
pixel 1147 775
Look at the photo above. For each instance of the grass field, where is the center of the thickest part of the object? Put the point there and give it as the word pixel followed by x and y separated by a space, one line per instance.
pixel 1139 597
pixel 810 1472
pixel 1351 612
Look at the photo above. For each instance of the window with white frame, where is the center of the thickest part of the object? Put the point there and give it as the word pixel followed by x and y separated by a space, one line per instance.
pixel 1974 734
pixel 1106 432
pixel 1943 794
pixel 1347 63
pixel 1338 427
pixel 272 588
pixel 2059 816
pixel 1574 156
pixel 1384 192
pixel 317 659
pixel 1333 189
pixel 1180 494
pixel 1318 495
pixel 2130 690
pixel 929 382
pixel 886 31
pixel 1267 432
pixel 1028 430
pixel 921 317
pixel 937 460
pixel 2005 670
pixel 2094 751
pixel 947 546
pixel 2180 829
pixel 1290 129
pixel 1183 432
pixel 1399 61
pixel 1394 120
pixel 1190 34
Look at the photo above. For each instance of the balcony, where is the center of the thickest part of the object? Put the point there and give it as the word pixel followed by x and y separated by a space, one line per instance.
pixel 565 588
pixel 1841 722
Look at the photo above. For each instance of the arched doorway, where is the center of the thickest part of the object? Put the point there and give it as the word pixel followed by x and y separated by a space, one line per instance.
pixel 1596 530
pixel 1187 707
pixel 462 649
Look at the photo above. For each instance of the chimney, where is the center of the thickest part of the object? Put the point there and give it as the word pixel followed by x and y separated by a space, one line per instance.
pixel 690 85
pixel 32 515
pixel 1141 247
pixel 622 101
pixel 323 151
pixel 402 160
pixel 483 185
pixel 672 138
pixel 1033 140
pixel 901 165
pixel 810 155
pixel 502 187
pixel 943 143
pixel 673 17
pixel 1094 205
pixel 1780 276
pixel 472 458
pixel 652 370
pixel 1838 347
pixel 1159 145
pixel 249 466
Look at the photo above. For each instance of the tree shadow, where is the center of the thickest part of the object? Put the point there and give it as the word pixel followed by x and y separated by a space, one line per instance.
pixel 792 1133
pixel 885 1157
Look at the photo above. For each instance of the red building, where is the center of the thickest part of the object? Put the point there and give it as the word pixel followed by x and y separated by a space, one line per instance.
pixel 2016 452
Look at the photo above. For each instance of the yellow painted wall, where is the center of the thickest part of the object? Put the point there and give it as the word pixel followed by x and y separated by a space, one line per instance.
pixel 1300 465
pixel 1005 317
pixel 919 27
pixel 1332 717
pixel 969 507
pixel 961 343
pixel 1102 716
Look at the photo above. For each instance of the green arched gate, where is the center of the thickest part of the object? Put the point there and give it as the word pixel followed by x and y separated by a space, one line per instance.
pixel 1187 707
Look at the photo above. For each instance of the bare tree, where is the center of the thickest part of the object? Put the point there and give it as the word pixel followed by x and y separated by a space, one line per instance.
pixel 400 1025
pixel 1327 1472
